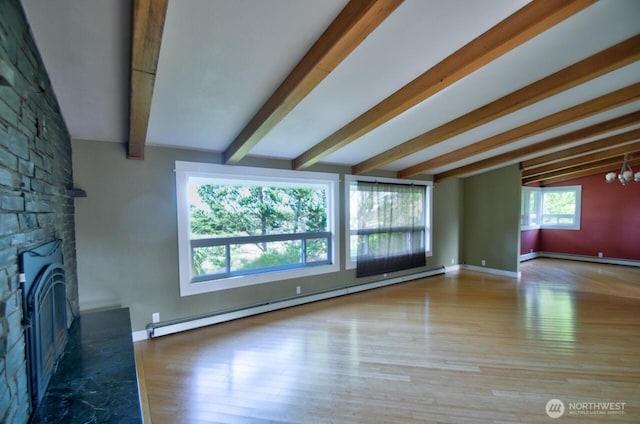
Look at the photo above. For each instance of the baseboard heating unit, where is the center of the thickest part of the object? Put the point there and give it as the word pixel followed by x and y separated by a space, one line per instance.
pixel 580 258
pixel 171 327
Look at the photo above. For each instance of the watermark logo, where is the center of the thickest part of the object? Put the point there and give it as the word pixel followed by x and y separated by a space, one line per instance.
pixel 554 408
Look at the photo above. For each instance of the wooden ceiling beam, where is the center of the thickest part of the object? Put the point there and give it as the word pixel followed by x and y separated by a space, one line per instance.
pixel 584 159
pixel 592 67
pixel 591 166
pixel 581 111
pixel 354 23
pixel 552 143
pixel 146 38
pixel 605 143
pixel 526 23
pixel 615 166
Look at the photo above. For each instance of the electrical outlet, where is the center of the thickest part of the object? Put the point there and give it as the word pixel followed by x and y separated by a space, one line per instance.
pixel 453 261
pixel 600 255
pixel 484 263
pixel 155 317
pixel 530 250
pixel 298 290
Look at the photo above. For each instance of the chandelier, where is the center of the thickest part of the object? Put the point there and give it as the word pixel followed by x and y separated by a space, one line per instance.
pixel 625 175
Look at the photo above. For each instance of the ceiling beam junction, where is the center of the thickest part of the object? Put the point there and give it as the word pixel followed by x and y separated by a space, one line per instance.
pixel 354 23
pixel 601 63
pixel 583 110
pixel 593 167
pixel 550 144
pixel 583 159
pixel 612 166
pixel 602 144
pixel 528 22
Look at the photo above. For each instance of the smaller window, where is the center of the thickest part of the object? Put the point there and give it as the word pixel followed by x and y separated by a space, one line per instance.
pixel 561 207
pixel 407 227
pixel 530 207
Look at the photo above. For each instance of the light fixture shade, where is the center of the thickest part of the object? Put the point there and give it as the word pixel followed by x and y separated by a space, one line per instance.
pixel 621 179
pixel 626 174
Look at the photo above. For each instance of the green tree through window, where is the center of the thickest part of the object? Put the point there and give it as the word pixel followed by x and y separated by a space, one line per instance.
pixel 558 207
pixel 237 211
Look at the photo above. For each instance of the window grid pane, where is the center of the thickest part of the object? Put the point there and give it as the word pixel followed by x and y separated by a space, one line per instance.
pixel 559 208
pixel 379 231
pixel 243 229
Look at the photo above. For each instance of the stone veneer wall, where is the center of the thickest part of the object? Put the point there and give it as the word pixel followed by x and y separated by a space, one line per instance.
pixel 35 207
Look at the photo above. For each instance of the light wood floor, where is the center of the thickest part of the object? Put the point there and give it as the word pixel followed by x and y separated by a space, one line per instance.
pixel 466 347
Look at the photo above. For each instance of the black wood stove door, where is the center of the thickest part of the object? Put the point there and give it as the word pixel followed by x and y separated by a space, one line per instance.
pixel 44 313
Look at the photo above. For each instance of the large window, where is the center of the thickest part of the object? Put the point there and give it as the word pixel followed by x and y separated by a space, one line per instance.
pixel 388 221
pixel 551 207
pixel 239 226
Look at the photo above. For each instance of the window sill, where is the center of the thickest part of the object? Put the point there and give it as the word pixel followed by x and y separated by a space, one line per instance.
pixel 188 288
pixel 532 227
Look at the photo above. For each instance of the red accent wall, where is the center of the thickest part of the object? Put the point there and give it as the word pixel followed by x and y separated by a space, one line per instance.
pixel 610 221
pixel 529 241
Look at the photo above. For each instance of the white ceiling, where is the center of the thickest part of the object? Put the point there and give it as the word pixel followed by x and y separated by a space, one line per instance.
pixel 220 60
pixel 85 47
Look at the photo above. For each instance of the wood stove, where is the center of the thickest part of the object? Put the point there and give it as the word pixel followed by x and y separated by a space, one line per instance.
pixel 44 313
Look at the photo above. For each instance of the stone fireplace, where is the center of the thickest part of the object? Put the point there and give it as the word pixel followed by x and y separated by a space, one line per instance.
pixel 35 203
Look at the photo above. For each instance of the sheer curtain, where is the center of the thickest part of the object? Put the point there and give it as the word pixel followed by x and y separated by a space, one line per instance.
pixel 390 227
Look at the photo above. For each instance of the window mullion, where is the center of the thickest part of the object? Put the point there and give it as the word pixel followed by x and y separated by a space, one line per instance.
pixel 227 251
pixel 303 251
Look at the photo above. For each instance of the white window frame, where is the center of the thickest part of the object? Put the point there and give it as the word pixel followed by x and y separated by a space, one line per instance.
pixel 186 170
pixel 350 262
pixel 526 191
pixel 540 194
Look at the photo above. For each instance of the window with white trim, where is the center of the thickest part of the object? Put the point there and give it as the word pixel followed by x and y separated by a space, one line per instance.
pixel 551 207
pixel 401 235
pixel 530 207
pixel 239 226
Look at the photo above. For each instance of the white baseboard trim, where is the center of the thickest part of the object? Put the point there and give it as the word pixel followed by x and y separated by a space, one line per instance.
pixel 529 256
pixel 452 268
pixel 501 272
pixel 585 258
pixel 139 335
pixel 171 327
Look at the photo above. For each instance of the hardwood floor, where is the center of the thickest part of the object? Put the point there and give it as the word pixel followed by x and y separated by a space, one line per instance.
pixel 465 347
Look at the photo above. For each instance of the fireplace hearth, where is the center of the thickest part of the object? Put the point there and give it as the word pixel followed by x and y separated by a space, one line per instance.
pixel 44 314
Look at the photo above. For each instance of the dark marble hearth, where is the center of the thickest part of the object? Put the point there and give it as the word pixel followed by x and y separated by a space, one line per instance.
pixel 96 379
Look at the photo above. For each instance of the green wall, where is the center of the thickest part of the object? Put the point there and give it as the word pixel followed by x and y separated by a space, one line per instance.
pixel 127 243
pixel 491 217
pixel 447 222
